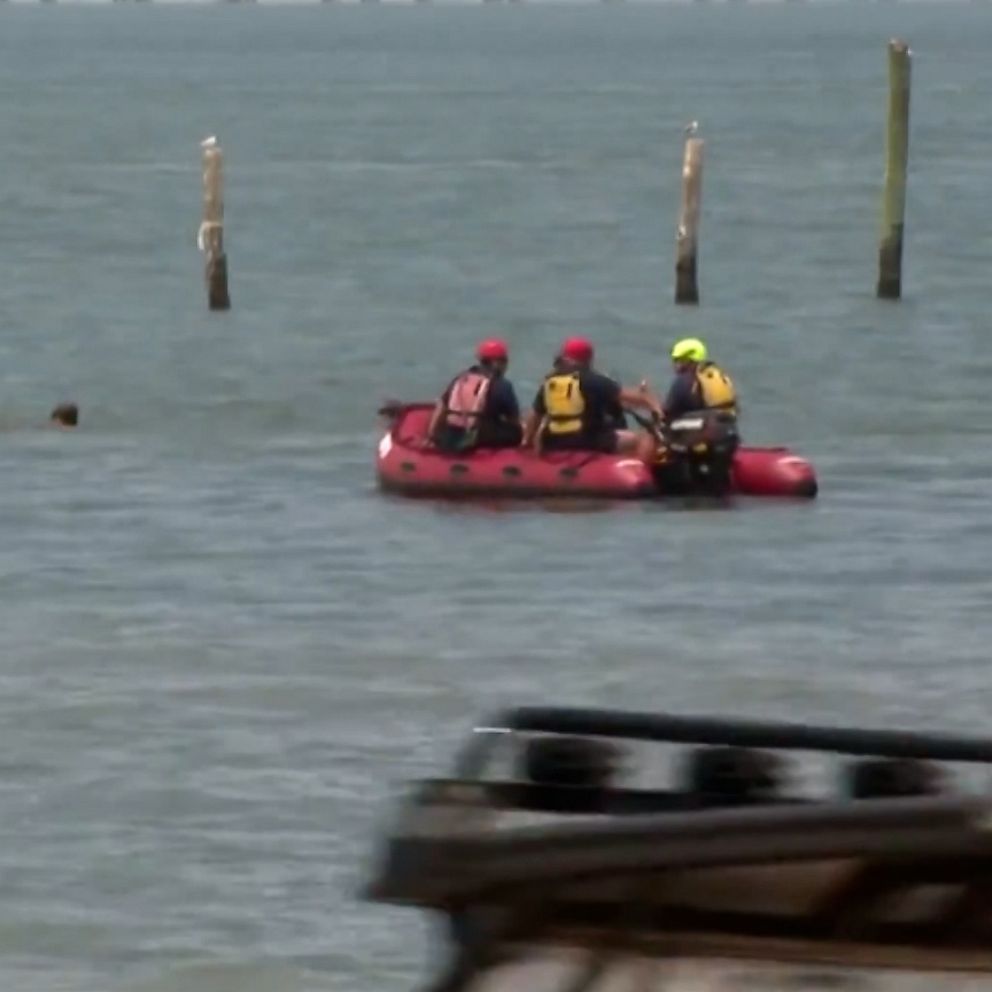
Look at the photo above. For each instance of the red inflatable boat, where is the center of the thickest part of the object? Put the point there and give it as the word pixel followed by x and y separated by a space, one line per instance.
pixel 405 465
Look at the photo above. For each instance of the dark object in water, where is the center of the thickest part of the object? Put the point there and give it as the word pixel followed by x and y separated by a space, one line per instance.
pixel 560 857
pixel 65 415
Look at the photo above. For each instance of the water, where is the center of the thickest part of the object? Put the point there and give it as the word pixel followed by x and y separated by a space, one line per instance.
pixel 223 649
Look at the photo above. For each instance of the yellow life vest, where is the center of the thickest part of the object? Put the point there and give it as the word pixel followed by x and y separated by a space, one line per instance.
pixel 564 403
pixel 716 389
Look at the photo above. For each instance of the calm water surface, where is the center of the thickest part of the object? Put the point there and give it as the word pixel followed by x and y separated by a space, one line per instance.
pixel 223 649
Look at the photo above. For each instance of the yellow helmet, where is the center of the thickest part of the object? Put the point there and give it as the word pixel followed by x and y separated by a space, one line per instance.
pixel 689 350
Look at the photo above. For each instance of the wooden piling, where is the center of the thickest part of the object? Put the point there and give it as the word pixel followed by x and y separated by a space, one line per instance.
pixel 896 159
pixel 211 235
pixel 687 236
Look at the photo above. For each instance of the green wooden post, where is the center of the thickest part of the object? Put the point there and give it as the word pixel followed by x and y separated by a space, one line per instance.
pixel 896 159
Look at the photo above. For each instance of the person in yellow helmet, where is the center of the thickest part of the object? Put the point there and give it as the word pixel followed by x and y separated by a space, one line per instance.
pixel 699 384
pixel 700 417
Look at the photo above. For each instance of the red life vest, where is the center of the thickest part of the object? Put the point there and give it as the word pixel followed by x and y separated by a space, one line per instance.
pixel 467 399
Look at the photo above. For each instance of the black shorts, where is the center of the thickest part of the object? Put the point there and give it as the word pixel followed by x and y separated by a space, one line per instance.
pixel 499 435
pixel 452 439
pixel 604 441
pixel 489 435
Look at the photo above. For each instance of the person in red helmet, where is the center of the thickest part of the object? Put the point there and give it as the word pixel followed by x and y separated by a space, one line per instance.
pixel 479 408
pixel 576 408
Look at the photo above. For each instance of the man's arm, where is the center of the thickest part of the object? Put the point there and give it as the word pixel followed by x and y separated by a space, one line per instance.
pixel 641 399
pixel 531 424
pixel 534 417
pixel 680 398
pixel 435 419
pixel 612 394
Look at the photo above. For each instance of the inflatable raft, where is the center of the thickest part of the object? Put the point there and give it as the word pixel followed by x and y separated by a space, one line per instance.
pixel 404 465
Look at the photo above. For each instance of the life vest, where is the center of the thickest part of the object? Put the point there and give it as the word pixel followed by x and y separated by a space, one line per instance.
pixel 564 404
pixel 466 399
pixel 716 389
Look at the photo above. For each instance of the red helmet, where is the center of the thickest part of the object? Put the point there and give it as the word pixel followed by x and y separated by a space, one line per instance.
pixel 577 349
pixel 492 350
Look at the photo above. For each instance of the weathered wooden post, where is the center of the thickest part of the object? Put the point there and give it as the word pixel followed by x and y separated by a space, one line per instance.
pixel 896 158
pixel 210 238
pixel 687 236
